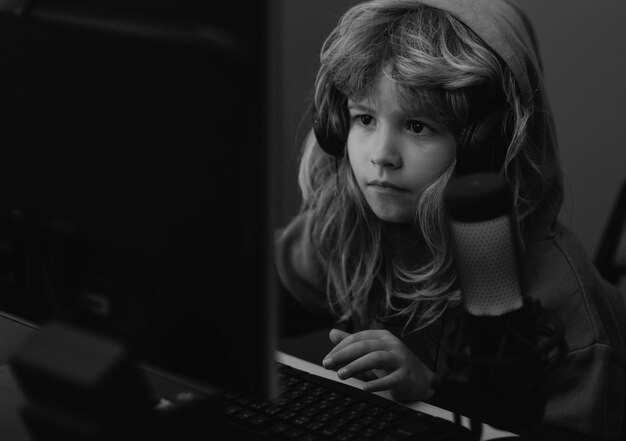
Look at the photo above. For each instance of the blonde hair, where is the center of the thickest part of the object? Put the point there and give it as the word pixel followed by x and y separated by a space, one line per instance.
pixel 441 64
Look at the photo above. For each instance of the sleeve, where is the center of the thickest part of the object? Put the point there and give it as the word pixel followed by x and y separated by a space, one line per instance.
pixel 299 269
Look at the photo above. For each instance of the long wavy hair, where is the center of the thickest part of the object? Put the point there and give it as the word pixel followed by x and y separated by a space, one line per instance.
pixel 444 66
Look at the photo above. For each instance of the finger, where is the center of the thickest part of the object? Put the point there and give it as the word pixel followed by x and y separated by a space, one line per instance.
pixel 371 361
pixel 362 335
pixel 383 383
pixel 353 351
pixel 337 335
pixel 366 376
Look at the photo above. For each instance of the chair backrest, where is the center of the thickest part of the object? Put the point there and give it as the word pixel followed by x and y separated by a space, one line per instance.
pixel 610 258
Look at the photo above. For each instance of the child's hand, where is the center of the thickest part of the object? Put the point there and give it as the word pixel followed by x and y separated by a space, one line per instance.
pixel 380 352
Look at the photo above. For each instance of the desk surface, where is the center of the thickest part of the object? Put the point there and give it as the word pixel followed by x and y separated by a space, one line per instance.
pixel 13 332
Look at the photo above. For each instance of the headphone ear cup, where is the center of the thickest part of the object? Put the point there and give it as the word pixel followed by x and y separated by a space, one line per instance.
pixel 330 141
pixel 482 145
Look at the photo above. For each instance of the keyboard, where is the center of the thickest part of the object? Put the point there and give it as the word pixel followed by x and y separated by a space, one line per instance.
pixel 313 408
pixel 308 408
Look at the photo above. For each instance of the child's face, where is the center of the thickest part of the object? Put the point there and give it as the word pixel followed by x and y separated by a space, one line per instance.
pixel 394 155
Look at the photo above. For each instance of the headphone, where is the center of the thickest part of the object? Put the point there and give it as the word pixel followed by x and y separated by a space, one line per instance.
pixel 481 146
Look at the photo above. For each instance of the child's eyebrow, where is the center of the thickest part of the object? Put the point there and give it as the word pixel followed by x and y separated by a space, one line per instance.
pixel 353 105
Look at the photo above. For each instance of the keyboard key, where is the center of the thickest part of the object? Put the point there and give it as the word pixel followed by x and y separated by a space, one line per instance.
pixel 294 433
pixel 259 421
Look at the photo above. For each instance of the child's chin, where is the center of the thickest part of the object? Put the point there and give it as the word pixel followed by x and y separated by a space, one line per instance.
pixel 392 217
pixel 388 208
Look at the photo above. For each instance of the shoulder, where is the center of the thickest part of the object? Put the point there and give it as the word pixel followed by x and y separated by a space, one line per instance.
pixel 560 274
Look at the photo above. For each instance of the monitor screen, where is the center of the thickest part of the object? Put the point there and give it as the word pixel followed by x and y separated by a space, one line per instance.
pixel 135 191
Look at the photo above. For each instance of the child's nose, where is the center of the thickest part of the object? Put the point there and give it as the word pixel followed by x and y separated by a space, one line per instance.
pixel 384 152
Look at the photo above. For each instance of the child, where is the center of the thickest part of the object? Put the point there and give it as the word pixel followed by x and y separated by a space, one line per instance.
pixel 401 85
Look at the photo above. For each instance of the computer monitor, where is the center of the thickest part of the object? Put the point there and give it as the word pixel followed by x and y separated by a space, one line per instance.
pixel 136 193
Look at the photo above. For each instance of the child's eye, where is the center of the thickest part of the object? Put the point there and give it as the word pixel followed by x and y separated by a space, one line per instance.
pixel 417 127
pixel 365 120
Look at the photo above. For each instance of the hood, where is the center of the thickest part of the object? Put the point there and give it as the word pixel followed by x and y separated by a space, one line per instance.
pixel 507 30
